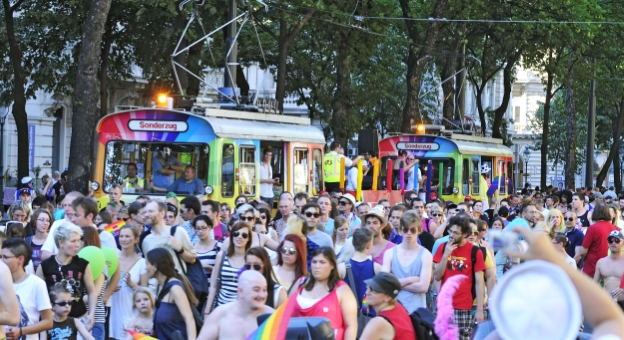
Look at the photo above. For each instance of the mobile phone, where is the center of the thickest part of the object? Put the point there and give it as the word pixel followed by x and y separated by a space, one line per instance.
pixel 504 240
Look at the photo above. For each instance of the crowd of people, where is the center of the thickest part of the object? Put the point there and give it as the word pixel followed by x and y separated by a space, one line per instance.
pixel 200 269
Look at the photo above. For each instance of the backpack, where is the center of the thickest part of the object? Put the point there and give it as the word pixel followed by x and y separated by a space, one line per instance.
pixel 423 320
pixel 195 274
pixel 473 258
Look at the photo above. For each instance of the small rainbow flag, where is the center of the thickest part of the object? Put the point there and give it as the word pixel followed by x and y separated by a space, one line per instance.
pixel 276 326
pixel 364 306
pixel 114 227
pixel 140 336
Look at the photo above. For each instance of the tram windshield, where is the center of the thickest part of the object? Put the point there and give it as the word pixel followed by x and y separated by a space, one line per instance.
pixel 141 167
pixel 443 173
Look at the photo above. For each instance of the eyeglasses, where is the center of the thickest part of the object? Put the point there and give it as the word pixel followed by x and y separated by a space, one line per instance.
pixel 613 240
pixel 475 232
pixel 309 214
pixel 238 233
pixel 62 303
pixel 201 228
pixel 413 198
pixel 43 220
pixel 255 266
pixel 291 251
pixel 247 218
pixel 344 202
pixel 410 230
pixel 569 219
pixel 4 257
pixel 436 215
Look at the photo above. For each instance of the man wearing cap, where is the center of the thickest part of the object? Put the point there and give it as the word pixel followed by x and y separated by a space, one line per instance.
pixel 346 205
pixel 455 258
pixel 611 268
pixel 331 166
pixel 392 320
pixel 27 183
pixel 375 220
pixel 595 244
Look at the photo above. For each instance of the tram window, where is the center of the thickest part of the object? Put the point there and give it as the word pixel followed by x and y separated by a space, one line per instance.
pixel 466 177
pixel 317 167
pixel 301 172
pixel 502 178
pixel 247 166
pixel 476 179
pixel 171 158
pixel 447 166
pixel 227 171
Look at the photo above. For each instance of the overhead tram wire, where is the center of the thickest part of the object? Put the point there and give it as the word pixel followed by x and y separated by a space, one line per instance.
pixel 495 21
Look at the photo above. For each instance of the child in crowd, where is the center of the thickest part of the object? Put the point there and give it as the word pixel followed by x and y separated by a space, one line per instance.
pixel 144 305
pixel 64 327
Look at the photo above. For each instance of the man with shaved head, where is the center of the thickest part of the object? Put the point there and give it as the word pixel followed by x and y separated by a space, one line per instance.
pixel 242 313
pixel 49 247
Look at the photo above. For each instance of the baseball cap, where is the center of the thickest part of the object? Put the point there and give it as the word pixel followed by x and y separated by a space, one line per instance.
pixel 385 283
pixel 24 192
pixel 349 197
pixel 26 180
pixel 528 295
pixel 596 195
pixel 616 233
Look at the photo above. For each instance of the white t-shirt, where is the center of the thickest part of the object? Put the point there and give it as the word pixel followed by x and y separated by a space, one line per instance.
pixel 33 297
pixel 108 240
pixel 266 189
pixel 352 178
pixel 411 183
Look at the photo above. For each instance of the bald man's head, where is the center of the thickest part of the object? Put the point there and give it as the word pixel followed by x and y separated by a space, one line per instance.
pixel 252 289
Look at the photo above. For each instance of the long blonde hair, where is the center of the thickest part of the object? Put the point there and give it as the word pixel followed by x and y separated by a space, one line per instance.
pixel 553 212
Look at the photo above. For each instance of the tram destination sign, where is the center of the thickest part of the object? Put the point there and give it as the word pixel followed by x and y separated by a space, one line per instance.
pixel 157 125
pixel 418 146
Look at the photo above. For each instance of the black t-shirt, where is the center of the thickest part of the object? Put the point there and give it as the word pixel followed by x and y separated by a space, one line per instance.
pixel 57 189
pixel 71 276
pixel 65 330
pixel 426 240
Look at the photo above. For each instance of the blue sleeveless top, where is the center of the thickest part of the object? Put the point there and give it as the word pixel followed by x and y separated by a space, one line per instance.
pixel 168 319
pixel 361 271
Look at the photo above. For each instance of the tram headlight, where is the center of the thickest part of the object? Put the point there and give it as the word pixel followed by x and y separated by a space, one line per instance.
pixel 208 190
pixel 95 186
pixel 456 190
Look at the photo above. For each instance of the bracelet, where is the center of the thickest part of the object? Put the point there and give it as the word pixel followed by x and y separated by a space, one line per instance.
pixel 180 252
pixel 21 332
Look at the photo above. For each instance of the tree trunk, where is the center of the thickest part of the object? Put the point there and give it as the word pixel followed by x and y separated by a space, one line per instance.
pixel 545 127
pixel 108 41
pixel 615 147
pixel 415 68
pixel 480 108
pixel 499 113
pixel 85 98
pixel 19 91
pixel 342 98
pixel 570 157
pixel 450 68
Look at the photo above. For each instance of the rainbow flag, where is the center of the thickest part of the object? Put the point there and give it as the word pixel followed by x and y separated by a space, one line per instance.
pixel 276 326
pixel 140 336
pixel 364 306
pixel 114 227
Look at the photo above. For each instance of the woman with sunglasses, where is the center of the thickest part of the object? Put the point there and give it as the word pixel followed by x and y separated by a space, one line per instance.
pixel 437 214
pixel 257 259
pixel 206 248
pixel 264 218
pixel 42 220
pixel 482 228
pixel 173 314
pixel 291 262
pixel 555 221
pixel 171 215
pixel 560 241
pixel 131 277
pixel 411 263
pixel 325 295
pixel 247 214
pixel 224 276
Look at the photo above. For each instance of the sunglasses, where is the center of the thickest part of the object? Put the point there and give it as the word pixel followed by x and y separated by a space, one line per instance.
pixel 309 214
pixel 410 230
pixel 255 266
pixel 344 202
pixel 436 215
pixel 482 230
pixel 263 217
pixel 291 251
pixel 613 240
pixel 569 219
pixel 62 303
pixel 238 233
pixel 247 218
pixel 475 232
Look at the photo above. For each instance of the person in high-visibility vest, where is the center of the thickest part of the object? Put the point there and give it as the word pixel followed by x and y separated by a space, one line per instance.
pixel 132 180
pixel 331 166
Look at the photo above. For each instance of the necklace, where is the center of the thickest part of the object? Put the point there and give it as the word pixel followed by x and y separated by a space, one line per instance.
pixel 20 281
pixel 61 264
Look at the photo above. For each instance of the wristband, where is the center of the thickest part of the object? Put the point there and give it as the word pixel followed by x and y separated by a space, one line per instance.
pixel 180 252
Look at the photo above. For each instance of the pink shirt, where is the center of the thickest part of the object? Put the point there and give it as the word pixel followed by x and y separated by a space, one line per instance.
pixel 327 307
pixel 379 258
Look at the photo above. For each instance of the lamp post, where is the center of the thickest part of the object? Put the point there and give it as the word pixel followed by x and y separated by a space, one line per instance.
pixel 525 156
pixel 4 112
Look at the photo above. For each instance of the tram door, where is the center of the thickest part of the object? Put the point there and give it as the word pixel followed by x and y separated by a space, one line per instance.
pixel 277 166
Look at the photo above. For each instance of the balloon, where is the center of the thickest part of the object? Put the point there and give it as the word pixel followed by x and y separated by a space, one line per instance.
pixel 112 260
pixel 96 259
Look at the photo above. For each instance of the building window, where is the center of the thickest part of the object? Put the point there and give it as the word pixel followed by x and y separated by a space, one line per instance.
pixel 517 114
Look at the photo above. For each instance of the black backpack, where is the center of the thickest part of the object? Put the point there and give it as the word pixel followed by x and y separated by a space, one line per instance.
pixel 423 320
pixel 195 274
pixel 473 258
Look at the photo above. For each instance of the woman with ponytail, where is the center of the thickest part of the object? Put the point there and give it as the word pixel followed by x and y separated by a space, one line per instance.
pixel 173 313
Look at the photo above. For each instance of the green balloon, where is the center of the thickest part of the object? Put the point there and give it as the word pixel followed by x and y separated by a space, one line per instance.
pixel 96 259
pixel 112 260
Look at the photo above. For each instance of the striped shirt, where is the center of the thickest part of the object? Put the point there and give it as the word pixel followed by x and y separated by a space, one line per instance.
pixel 229 283
pixel 100 310
pixel 209 258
